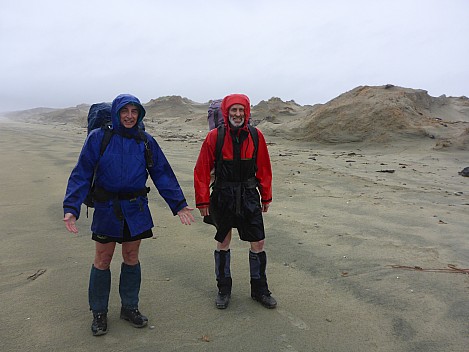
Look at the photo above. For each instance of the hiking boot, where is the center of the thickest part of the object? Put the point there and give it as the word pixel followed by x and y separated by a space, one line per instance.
pixel 134 317
pixel 265 299
pixel 99 324
pixel 222 300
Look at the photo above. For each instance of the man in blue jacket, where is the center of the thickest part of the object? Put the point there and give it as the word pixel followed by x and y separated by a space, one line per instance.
pixel 121 213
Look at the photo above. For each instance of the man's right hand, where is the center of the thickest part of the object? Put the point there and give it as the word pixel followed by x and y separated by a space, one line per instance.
pixel 204 211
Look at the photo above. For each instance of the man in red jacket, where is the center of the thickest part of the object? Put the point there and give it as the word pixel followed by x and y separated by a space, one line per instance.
pixel 242 191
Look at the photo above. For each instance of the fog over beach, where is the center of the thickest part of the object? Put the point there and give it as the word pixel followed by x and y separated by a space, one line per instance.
pixel 62 53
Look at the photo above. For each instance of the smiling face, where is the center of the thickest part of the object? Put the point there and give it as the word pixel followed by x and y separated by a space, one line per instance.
pixel 129 115
pixel 236 115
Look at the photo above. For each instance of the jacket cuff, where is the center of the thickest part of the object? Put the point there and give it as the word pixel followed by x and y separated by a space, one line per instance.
pixel 71 210
pixel 181 205
pixel 202 205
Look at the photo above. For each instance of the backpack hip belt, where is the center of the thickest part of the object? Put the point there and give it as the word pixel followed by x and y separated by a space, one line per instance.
pixel 101 195
pixel 250 183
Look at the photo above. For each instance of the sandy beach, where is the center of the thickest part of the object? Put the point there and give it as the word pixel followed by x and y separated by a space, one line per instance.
pixel 343 216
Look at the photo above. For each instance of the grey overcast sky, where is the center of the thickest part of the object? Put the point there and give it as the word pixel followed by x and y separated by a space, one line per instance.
pixel 59 53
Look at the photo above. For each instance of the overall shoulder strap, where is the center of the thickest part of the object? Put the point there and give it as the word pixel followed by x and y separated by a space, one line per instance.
pixel 219 145
pixel 255 138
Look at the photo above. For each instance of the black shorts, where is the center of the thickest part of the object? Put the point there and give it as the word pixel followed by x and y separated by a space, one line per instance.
pixel 125 238
pixel 249 222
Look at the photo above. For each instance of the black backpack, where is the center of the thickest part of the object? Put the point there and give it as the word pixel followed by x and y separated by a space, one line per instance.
pixel 99 116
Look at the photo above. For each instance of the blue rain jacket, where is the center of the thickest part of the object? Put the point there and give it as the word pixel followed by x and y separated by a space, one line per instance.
pixel 122 168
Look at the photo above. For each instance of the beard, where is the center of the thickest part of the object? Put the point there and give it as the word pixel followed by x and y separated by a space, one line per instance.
pixel 234 124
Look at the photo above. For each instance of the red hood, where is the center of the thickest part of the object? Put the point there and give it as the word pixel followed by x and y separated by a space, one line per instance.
pixel 232 99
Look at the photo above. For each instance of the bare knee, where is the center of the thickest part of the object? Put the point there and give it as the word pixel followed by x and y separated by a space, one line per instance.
pixel 103 255
pixel 257 247
pixel 225 245
pixel 130 252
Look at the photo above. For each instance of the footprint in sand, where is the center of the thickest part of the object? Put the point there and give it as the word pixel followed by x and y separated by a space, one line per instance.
pixel 296 322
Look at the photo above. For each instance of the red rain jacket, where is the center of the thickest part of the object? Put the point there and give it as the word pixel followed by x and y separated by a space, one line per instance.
pixel 206 160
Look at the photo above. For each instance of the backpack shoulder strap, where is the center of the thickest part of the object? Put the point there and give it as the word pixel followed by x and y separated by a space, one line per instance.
pixel 148 153
pixel 108 132
pixel 219 145
pixel 255 138
pixel 221 139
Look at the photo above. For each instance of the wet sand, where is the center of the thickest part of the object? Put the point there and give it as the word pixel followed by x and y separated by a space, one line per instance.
pixel 339 221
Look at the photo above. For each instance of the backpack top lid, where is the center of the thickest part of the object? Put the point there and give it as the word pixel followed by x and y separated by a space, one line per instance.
pixel 99 115
pixel 214 115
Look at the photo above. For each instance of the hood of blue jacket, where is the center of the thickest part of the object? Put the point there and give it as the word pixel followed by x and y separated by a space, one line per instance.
pixel 118 103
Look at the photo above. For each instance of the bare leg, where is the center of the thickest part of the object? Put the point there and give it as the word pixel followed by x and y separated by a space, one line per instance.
pixel 225 245
pixel 257 247
pixel 103 255
pixel 130 252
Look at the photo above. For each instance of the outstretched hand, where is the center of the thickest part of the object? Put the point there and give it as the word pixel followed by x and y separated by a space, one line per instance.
pixel 185 214
pixel 70 222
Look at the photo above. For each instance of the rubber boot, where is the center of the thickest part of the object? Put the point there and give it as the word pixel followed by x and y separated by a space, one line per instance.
pixel 129 289
pixel 223 274
pixel 98 297
pixel 259 288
